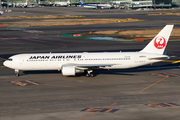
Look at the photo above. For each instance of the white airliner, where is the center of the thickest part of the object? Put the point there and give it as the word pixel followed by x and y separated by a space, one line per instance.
pixel 72 63
pixel 21 4
pixel 63 4
pixel 96 6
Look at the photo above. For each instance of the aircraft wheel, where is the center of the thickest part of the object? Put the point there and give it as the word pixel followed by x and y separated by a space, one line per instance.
pixel 87 75
pixel 92 75
pixel 17 74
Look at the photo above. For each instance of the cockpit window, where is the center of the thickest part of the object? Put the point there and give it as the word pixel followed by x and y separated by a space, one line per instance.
pixel 9 59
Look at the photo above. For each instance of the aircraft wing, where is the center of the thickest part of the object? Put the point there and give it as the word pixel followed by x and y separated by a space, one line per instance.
pixel 95 66
pixel 90 66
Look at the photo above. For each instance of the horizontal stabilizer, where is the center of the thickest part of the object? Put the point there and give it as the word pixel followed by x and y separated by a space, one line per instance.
pixel 159 58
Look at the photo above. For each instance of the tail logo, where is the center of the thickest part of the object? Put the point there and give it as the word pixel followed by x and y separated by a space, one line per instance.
pixel 159 42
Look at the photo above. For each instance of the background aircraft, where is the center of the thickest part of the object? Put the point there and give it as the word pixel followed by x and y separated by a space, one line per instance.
pixel 22 5
pixel 64 4
pixel 95 6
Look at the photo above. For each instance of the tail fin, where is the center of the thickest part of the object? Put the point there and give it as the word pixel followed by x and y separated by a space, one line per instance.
pixel 81 3
pixel 158 43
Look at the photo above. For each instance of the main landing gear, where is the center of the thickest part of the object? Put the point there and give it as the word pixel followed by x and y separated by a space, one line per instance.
pixel 89 73
pixel 17 73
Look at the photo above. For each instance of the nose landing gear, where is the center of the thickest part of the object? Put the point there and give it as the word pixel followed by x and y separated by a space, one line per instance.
pixel 17 73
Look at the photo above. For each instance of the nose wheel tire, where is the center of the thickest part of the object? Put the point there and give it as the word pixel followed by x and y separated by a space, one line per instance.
pixel 17 74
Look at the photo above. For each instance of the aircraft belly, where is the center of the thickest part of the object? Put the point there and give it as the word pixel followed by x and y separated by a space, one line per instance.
pixel 38 66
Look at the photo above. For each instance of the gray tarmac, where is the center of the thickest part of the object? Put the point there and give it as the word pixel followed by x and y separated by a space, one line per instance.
pixel 144 93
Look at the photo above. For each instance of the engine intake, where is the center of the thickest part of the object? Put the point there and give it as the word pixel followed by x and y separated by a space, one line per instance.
pixel 70 70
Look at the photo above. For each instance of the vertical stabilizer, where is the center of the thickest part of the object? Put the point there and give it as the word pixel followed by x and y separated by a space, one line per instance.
pixel 81 3
pixel 158 43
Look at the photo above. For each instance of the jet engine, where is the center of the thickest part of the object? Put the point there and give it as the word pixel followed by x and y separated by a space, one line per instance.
pixel 70 70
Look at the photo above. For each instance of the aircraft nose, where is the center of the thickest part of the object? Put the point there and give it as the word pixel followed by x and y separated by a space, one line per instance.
pixel 5 63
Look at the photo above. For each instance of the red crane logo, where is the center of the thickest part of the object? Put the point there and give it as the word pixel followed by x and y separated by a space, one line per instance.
pixel 159 42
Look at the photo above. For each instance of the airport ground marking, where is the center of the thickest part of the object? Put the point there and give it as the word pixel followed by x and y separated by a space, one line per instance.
pixel 75 87
pixel 18 83
pixel 160 74
pixel 30 82
pixel 24 83
pixel 172 61
pixel 34 83
pixel 176 62
pixel 164 75
pixel 152 84
pixel 98 111
pixel 153 104
pixel 172 74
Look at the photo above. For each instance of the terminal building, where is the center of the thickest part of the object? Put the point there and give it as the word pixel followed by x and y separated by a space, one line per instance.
pixel 134 4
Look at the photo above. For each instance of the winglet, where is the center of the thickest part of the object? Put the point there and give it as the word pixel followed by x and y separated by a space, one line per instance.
pixel 158 43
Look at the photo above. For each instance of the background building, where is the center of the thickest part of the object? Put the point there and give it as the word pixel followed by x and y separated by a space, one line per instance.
pixel 117 3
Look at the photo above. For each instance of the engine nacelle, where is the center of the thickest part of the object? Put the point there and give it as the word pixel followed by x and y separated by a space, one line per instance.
pixel 70 70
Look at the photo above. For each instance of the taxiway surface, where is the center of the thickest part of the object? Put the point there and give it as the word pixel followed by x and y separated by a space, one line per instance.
pixel 150 92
